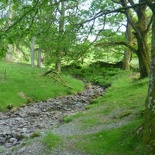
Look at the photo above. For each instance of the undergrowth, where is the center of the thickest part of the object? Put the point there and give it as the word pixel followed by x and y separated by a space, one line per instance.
pixel 95 74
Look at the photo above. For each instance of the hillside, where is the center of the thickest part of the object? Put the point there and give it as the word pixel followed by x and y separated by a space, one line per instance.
pixel 107 125
pixel 21 84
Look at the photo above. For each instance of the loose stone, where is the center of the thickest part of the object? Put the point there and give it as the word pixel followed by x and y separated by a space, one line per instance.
pixel 17 125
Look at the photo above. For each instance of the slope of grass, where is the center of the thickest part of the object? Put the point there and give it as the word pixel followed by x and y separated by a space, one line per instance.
pixel 20 84
pixel 120 141
pixel 126 97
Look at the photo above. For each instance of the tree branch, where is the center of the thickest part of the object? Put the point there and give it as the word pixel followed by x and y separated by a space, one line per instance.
pixel 115 44
pixel 151 4
pixel 16 22
pixel 32 20
pixel 116 1
pixel 132 3
pixel 99 31
pixel 105 12
pixel 149 24
pixel 129 15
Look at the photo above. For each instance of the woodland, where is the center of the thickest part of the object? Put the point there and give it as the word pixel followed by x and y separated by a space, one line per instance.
pixel 83 65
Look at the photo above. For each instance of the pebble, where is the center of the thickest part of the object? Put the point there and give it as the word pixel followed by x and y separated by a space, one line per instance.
pixel 41 116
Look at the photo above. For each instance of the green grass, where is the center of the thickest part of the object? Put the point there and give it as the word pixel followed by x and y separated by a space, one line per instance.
pixel 16 79
pixel 120 141
pixel 50 140
pixel 126 97
pixel 67 119
pixel 125 93
pixel 95 74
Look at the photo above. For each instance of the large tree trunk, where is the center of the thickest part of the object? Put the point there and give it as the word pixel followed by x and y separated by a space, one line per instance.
pixel 9 53
pixel 143 56
pixel 148 128
pixel 141 36
pixel 126 60
pixel 8 57
pixel 141 30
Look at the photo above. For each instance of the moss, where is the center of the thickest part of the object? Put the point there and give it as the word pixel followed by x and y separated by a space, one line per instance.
pixel 35 134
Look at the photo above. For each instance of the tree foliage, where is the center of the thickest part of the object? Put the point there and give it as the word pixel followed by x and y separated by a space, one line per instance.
pixel 66 30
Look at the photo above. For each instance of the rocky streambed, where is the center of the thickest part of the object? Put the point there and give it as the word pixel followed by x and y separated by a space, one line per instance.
pixel 22 123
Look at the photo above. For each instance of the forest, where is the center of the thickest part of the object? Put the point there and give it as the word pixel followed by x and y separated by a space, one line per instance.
pixel 77 77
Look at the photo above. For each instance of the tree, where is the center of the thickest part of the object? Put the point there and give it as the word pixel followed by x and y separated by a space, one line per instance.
pixel 148 127
pixel 137 17
pixel 8 57
pixel 17 29
pixel 39 60
pixel 55 30
pixel 54 26
pixel 141 29
pixel 61 30
pixel 32 51
pixel 127 52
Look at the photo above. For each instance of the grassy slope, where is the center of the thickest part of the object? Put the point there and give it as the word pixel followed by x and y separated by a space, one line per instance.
pixel 23 79
pixel 126 96
pixel 124 99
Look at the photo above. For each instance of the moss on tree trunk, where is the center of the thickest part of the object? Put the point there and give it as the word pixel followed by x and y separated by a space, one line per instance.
pixel 144 63
pixel 143 54
pixel 148 128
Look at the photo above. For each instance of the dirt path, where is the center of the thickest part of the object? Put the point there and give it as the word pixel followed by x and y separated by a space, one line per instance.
pixel 70 133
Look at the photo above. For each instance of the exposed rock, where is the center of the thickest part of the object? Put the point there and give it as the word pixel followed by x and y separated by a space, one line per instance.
pixel 17 125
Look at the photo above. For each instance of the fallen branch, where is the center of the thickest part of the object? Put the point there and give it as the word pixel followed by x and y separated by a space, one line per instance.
pixel 46 73
pixel 57 77
pixel 62 82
